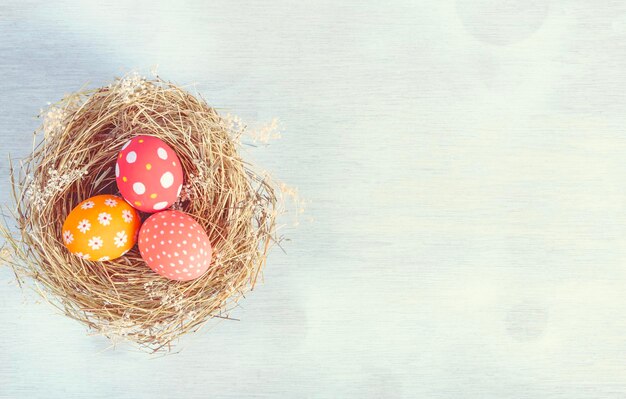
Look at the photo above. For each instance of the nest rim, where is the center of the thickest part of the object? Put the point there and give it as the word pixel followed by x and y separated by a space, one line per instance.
pixel 123 299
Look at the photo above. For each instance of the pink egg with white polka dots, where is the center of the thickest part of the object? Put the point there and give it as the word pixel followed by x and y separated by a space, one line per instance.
pixel 148 174
pixel 175 246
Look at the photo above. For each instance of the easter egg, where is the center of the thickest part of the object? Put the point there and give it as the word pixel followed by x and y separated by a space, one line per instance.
pixel 148 174
pixel 103 227
pixel 175 246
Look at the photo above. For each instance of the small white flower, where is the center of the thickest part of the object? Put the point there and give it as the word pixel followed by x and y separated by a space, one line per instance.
pixel 82 255
pixel 104 258
pixel 95 243
pixel 120 239
pixel 88 205
pixel 68 237
pixel 54 121
pixel 110 202
pixel 127 215
pixel 84 226
pixel 104 218
pixel 130 86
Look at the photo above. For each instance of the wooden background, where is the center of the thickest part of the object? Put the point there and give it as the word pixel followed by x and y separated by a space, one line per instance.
pixel 464 162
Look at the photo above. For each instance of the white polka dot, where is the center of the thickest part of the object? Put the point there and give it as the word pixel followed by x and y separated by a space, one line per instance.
pixel 162 153
pixel 179 190
pixel 180 261
pixel 167 180
pixel 159 205
pixel 139 188
pixel 117 170
pixel 131 157
pixel 126 144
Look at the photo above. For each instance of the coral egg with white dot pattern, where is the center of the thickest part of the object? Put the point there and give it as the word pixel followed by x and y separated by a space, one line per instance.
pixel 175 246
pixel 148 174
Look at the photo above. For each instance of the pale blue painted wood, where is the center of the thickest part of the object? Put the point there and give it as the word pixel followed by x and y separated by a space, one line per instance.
pixel 465 166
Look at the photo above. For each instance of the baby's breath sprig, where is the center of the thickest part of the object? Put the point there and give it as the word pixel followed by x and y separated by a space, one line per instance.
pixel 119 328
pixel 41 190
pixel 266 133
pixel 262 134
pixel 130 87
pixel 54 121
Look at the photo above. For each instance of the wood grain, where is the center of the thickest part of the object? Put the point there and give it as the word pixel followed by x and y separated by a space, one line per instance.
pixel 464 163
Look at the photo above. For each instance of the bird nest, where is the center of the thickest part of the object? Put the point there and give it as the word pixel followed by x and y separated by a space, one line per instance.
pixel 75 160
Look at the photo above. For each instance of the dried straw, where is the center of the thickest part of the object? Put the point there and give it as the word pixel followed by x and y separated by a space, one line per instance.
pixel 124 298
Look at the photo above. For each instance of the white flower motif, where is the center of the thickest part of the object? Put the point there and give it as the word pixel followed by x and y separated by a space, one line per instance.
pixel 120 239
pixel 110 202
pixel 68 237
pixel 104 218
pixel 84 226
pixel 82 255
pixel 88 205
pixel 95 243
pixel 104 258
pixel 127 215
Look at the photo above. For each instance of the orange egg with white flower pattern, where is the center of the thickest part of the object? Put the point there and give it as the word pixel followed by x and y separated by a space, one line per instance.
pixel 101 228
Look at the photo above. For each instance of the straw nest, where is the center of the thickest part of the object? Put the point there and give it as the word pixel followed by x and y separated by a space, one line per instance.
pixel 76 159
